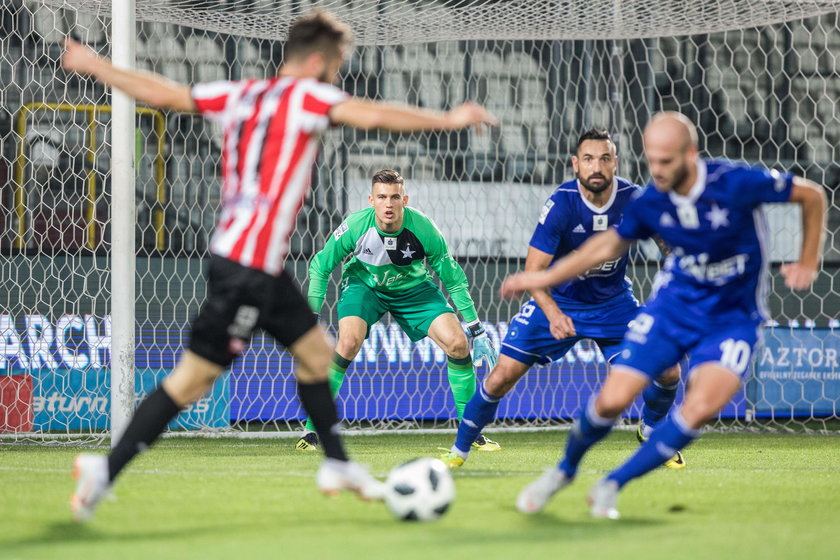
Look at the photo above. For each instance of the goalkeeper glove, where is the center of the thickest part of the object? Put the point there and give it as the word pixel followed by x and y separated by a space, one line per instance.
pixel 482 345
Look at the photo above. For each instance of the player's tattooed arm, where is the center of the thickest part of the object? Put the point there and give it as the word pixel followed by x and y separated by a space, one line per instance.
pixel 599 248
pixel 560 324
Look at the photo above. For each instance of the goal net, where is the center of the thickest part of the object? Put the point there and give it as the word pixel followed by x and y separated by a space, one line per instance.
pixel 760 79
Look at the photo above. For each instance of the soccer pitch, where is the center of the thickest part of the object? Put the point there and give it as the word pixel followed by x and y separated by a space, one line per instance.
pixel 742 496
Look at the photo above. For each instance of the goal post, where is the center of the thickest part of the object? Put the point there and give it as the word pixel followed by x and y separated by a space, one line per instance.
pixel 759 78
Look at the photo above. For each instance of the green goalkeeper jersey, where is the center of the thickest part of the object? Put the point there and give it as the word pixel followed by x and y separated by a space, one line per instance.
pixel 390 262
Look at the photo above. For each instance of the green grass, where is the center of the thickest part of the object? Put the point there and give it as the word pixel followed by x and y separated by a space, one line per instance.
pixel 753 496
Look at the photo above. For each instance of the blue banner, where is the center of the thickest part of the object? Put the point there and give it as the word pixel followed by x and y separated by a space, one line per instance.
pixel 797 373
pixel 69 360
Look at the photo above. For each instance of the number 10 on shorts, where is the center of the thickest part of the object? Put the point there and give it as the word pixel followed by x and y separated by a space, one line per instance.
pixel 735 355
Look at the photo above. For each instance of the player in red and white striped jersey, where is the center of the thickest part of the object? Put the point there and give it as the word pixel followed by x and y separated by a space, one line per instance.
pixel 272 130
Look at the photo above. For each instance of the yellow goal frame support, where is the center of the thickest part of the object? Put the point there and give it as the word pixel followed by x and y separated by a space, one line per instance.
pixel 90 211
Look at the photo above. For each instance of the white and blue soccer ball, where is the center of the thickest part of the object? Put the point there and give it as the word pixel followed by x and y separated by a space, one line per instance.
pixel 419 490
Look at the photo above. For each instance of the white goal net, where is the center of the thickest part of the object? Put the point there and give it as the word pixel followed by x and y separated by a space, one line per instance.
pixel 760 79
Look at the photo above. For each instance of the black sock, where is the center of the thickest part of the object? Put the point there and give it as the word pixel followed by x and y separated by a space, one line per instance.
pixel 319 405
pixel 148 422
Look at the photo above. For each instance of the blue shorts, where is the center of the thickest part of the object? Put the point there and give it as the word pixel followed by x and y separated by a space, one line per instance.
pixel 656 340
pixel 529 338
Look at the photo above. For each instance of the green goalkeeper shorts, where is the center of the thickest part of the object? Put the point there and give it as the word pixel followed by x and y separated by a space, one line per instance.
pixel 414 309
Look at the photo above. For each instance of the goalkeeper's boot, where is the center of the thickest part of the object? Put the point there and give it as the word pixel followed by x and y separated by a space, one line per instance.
pixel 536 495
pixel 452 460
pixel 91 472
pixel 675 462
pixel 602 499
pixel 484 443
pixel 307 442
pixel 335 476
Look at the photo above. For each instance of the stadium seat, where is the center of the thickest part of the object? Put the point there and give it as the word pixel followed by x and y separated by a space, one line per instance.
pixel 176 71
pixel 418 58
pixel 201 48
pixel 253 70
pixel 49 24
pixel 248 52
pixel 394 86
pixel 207 72
pixel 522 64
pixel 486 63
pixel 432 90
pixel 89 28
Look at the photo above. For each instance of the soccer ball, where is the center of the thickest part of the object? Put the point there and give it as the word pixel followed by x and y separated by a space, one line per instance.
pixel 419 490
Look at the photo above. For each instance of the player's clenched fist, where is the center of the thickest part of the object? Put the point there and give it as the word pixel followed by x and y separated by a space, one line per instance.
pixel 516 284
pixel 471 114
pixel 77 57
pixel 798 276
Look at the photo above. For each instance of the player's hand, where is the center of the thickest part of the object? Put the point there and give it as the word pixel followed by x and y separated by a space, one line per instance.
pixel 77 57
pixel 517 284
pixel 561 326
pixel 798 276
pixel 483 350
pixel 471 114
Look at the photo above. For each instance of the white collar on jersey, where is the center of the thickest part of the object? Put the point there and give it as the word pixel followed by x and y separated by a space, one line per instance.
pixel 606 206
pixel 696 189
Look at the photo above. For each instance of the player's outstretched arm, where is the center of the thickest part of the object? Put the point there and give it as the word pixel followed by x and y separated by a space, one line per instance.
pixel 811 197
pixel 597 249
pixel 146 87
pixel 366 114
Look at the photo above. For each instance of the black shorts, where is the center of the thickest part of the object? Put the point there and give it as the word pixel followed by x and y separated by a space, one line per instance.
pixel 240 300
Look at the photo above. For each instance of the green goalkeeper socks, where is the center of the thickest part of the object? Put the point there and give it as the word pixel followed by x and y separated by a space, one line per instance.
pixel 337 369
pixel 461 381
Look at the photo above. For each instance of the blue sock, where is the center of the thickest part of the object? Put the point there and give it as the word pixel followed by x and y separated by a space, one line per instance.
pixel 658 400
pixel 480 411
pixel 671 436
pixel 588 430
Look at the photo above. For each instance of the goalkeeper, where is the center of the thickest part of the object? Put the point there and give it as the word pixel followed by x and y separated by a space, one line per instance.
pixel 388 243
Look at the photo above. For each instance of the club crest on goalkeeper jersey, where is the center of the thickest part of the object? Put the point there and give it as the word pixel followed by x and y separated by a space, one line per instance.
pixel 717 270
pixel 272 130
pixel 567 220
pixel 389 262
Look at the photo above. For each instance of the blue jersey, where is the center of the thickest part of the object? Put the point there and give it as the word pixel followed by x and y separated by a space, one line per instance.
pixel 717 270
pixel 566 221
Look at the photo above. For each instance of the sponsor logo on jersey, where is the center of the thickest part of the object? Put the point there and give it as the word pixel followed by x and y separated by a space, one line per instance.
pixel 718 273
pixel 665 220
pixel 340 230
pixel 579 229
pixel 391 243
pixel 604 269
pixel 367 251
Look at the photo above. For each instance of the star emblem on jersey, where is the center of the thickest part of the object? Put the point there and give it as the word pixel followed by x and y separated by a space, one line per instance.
pixel 719 217
pixel 407 253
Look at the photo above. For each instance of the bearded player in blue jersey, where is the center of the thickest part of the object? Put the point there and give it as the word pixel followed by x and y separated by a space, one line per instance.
pixel 709 305
pixel 598 305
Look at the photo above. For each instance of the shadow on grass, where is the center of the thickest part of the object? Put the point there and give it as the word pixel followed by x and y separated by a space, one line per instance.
pixel 69 532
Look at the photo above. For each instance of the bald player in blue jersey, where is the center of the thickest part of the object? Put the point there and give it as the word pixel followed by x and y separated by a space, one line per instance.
pixel 598 305
pixel 709 305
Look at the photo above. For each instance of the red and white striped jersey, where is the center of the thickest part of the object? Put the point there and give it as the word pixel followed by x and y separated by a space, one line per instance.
pixel 272 131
